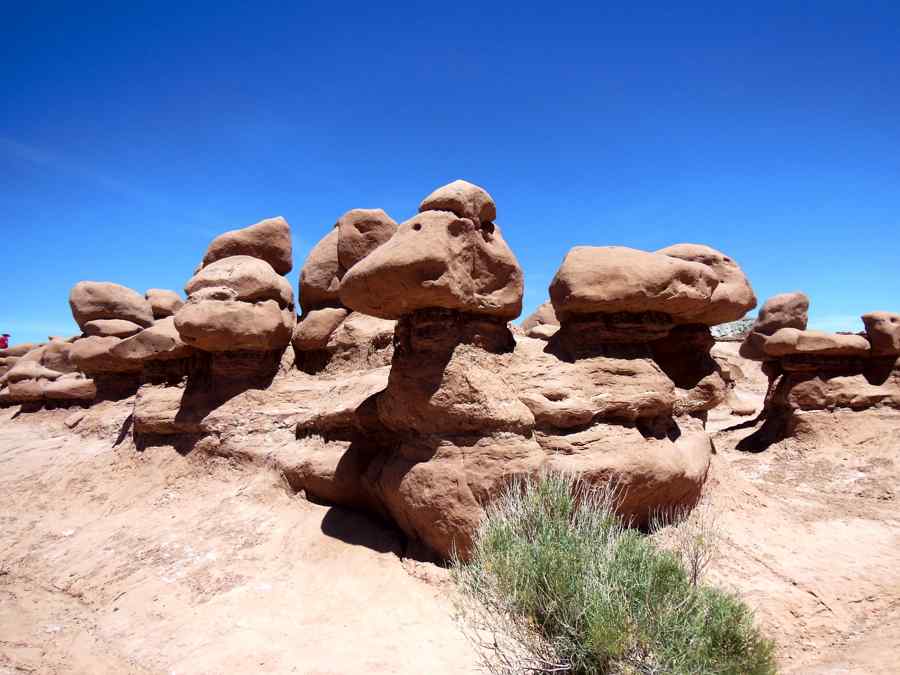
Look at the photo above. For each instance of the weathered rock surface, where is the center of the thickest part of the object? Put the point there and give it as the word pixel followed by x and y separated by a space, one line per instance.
pixel 544 315
pixel 90 300
pixel 320 278
pixel 437 260
pixel 786 310
pixel 614 279
pixel 883 332
pixel 240 277
pixel 732 298
pixel 93 355
pixel 119 328
pixel 361 231
pixel 314 329
pixel 463 199
pixel 231 325
pixel 268 240
pixel 18 350
pixel 163 302
pixel 789 341
pixel 237 303
pixel 160 342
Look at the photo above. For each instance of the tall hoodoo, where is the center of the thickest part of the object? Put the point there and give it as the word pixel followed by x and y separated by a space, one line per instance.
pixel 457 429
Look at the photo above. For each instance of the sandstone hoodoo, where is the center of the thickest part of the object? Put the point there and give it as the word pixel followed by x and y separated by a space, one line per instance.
pixel 622 389
pixel 813 371
pixel 451 430
pixel 323 339
pixel 412 398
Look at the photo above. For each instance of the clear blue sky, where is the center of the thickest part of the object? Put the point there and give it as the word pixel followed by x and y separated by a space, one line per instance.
pixel 132 133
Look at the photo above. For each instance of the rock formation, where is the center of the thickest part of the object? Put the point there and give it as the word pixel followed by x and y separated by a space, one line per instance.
pixel 46 374
pixel 412 398
pixel 324 339
pixel 239 309
pixel 812 370
pixel 163 303
pixel 107 313
pixel 542 323
pixel 620 391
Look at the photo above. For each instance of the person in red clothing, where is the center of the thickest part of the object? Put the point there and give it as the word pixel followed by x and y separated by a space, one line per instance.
pixel 4 341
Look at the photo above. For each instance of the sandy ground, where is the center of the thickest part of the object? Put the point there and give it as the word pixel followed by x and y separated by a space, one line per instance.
pixel 119 561
pixel 113 561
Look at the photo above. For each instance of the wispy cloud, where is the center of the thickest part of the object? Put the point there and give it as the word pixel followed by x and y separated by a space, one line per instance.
pixel 60 163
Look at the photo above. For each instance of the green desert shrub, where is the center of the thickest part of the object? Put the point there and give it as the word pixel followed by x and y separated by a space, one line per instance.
pixel 555 583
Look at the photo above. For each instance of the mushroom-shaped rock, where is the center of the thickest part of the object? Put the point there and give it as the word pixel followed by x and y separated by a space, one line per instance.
pixel 268 240
pixel 785 310
pixel 361 231
pixel 615 279
pixel 883 331
pixel 92 300
pixel 320 278
pixel 119 328
pixel 163 302
pixel 792 341
pixel 732 298
pixel 160 342
pixel 463 199
pixel 437 260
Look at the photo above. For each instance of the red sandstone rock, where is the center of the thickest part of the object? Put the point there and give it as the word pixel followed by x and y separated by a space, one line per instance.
pixel 90 300
pixel 268 240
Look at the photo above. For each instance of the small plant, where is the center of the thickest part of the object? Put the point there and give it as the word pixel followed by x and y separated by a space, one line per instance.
pixel 555 583
pixel 692 535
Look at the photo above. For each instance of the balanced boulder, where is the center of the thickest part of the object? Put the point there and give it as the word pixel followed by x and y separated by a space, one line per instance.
pixel 464 199
pixel 268 240
pixel 237 303
pixel 91 300
pixel 163 302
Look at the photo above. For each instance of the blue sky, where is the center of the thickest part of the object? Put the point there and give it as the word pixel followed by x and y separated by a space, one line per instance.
pixel 133 133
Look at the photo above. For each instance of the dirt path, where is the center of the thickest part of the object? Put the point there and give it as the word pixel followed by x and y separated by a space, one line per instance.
pixel 121 562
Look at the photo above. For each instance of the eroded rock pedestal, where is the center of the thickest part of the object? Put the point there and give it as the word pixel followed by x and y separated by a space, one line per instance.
pixel 616 387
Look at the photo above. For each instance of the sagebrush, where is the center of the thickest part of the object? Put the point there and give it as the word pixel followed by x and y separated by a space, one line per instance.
pixel 556 583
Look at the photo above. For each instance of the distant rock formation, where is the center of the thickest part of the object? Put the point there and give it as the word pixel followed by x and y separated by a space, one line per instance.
pixel 812 370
